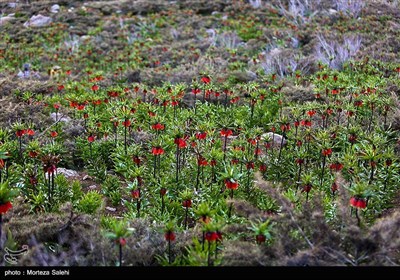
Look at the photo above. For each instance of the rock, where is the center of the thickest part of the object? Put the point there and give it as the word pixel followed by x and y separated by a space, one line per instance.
pixel 332 11
pixel 5 19
pixel 68 173
pixel 111 209
pixel 92 187
pixel 38 21
pixel 12 5
pixel 59 117
pixel 55 8
pixel 275 138
pixel 86 177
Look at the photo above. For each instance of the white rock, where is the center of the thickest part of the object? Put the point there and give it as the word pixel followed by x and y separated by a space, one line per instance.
pixel 12 5
pixel 274 137
pixel 111 209
pixel 67 172
pixel 332 11
pixel 92 187
pixel 58 117
pixel 38 21
pixel 55 8
pixel 6 19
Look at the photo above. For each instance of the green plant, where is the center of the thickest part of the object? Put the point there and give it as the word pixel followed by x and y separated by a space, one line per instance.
pixel 90 202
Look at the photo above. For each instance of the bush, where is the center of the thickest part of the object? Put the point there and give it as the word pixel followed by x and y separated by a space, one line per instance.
pixel 90 202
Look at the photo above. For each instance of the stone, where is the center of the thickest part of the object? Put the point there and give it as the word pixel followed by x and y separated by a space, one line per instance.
pixel 5 19
pixel 92 187
pixel 275 138
pixel 111 209
pixel 55 8
pixel 38 21
pixel 68 173
pixel 59 117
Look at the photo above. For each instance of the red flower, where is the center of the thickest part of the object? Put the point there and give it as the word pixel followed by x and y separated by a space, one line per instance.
pixel 60 87
pixel 336 166
pixel 211 236
pixel 56 106
pixel 326 152
pixel 121 241
pixel 307 188
pixel 135 194
pixel 187 203
pixel 260 238
pixel 126 123
pixel 158 126
pixel 263 167
pixel 335 91
pixel 53 134
pixel 206 79
pixel 388 162
pixel 163 191
pixel 299 143
pixel 68 72
pixel 95 87
pixel 80 107
pixel 358 202
pixel 96 102
pixel 5 207
pixel 196 90
pixel 202 161
pixel 250 165
pixel 213 162
pixel 231 184
pixel 306 123
pixel 352 138
pixel 33 154
pixel 20 132
pixel 334 187
pixel 296 124
pixel 156 151
pixel 169 236
pixel 226 132
pixel 91 138
pixel 358 103
pixel 85 115
pixel 285 127
pixel 30 132
pixel 299 161
pixel 180 142
pixel 136 160
pixel 234 161
pixel 311 113
pixel 201 135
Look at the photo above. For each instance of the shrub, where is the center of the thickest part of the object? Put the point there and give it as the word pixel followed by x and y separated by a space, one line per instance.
pixel 90 202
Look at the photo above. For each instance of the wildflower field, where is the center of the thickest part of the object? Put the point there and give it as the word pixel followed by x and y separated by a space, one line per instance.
pixel 199 133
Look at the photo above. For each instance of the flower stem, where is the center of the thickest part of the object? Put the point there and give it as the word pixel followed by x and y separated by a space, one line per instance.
pixel 120 254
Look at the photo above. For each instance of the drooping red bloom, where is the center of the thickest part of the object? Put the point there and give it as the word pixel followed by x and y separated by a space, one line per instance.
pixel 136 160
pixel 307 188
pixel 163 191
pixel 311 113
pixel 334 187
pixel 60 87
pixel 30 132
pixel 358 103
pixel 156 151
pixel 187 203
pixel 225 132
pixel 206 79
pixel 352 138
pixel 388 162
pixel 296 124
pixel 196 91
pixel 20 132
pixel 299 161
pixel 56 106
pixel 260 238
pixel 202 161
pixel 80 107
pixel 180 142
pixel 32 154
pixel 326 152
pixel 135 194
pixel 201 135
pixel 263 167
pixel 213 162
pixel 335 91
pixel 231 184
pixel 122 241
pixel 299 143
pixel 126 123
pixel 336 166
pixel 234 161
pixel 306 123
pixel 249 165
pixel 285 127
pixel 53 134
pixel 358 202
pixel 158 126
pixel 91 138
pixel 96 102
pixel 210 236
pixel 95 87
pixel 5 207
pixel 169 236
